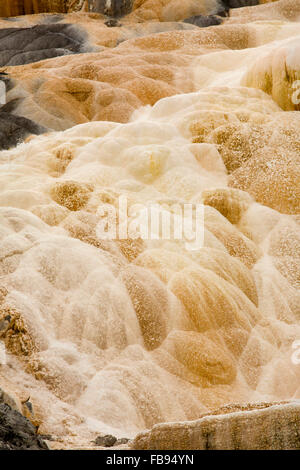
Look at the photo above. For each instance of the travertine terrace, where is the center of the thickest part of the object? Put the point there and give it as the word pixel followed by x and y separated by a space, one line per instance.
pixel 119 335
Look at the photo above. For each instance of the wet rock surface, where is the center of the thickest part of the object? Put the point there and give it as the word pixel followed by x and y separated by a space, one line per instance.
pixel 17 432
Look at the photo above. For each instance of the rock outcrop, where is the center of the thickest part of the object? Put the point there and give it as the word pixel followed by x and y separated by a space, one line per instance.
pixel 274 427
pixel 17 432
pixel 14 129
pixel 19 46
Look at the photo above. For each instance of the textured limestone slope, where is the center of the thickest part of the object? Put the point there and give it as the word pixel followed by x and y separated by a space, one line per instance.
pixel 148 319
pixel 111 84
pixel 116 335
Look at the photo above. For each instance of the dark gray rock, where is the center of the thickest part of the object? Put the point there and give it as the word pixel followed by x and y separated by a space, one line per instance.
pixel 204 21
pixel 15 129
pixel 105 441
pixel 114 8
pixel 239 3
pixel 19 46
pixel 17 432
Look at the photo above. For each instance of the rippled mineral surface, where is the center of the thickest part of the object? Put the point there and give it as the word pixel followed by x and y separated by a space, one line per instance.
pixel 166 103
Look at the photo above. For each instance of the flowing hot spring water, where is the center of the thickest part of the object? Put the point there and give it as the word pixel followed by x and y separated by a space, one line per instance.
pixel 114 334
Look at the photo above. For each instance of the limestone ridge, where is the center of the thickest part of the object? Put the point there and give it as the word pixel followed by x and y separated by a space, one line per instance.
pixel 274 427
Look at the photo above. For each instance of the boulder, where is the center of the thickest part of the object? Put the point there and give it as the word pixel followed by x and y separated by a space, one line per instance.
pixel 105 441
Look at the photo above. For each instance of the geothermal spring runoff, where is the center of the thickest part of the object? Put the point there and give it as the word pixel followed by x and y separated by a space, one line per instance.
pixel 149 224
